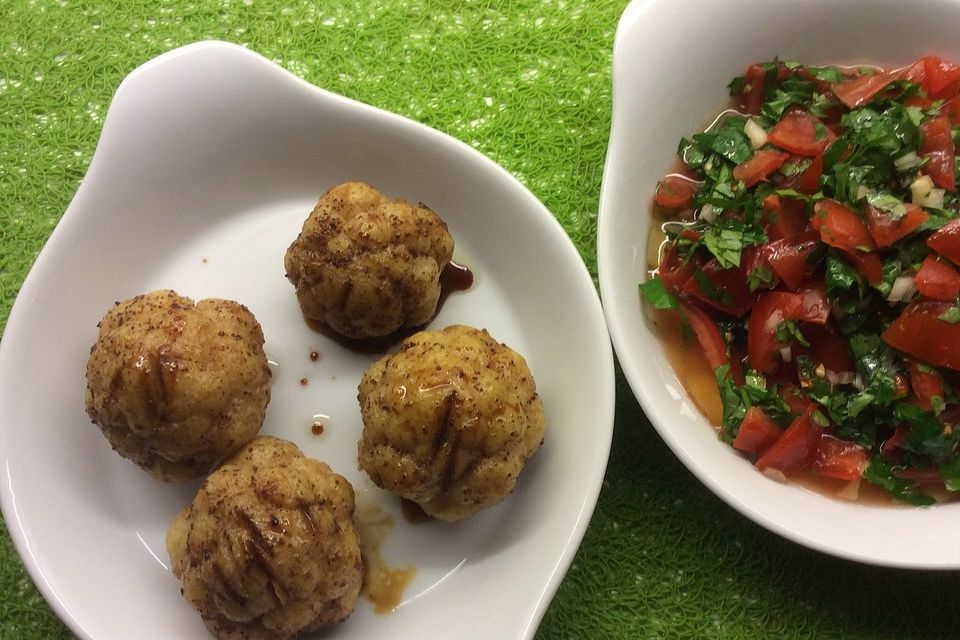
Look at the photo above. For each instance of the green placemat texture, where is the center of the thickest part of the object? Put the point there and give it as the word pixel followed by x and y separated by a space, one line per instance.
pixel 528 84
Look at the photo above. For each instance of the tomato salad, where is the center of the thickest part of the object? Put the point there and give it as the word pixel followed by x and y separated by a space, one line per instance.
pixel 812 251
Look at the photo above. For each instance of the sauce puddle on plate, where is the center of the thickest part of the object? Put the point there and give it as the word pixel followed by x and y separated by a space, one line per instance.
pixel 382 585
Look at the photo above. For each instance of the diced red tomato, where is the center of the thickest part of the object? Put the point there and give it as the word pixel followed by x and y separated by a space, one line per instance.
pixel 946 241
pixel 940 74
pixel 769 311
pixel 891 444
pixel 919 332
pixel 815 307
pixel 788 257
pixel 751 98
pixel 784 218
pixel 795 450
pixel 753 257
pixel 885 229
pixel 841 227
pixel 926 384
pixel 797 401
pixel 757 432
pixel 838 458
pixel 801 133
pixel 826 348
pixel 916 72
pixel 675 271
pixel 867 265
pixel 938 280
pixel 810 179
pixel 937 148
pixel 858 91
pixel 707 334
pixel 730 293
pixel 675 192
pixel 759 166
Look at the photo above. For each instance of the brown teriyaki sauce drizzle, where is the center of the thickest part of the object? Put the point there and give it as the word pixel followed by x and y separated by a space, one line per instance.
pixel 454 277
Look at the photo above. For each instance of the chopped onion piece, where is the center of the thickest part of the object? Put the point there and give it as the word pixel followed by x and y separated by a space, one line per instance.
pixel 934 199
pixel 907 161
pixel 920 189
pixel 786 353
pixel 775 474
pixel 774 320
pixel 850 491
pixel 863 192
pixel 708 213
pixel 902 290
pixel 758 137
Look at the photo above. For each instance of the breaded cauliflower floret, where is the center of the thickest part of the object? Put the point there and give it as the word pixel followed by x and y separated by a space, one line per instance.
pixel 367 266
pixel 176 387
pixel 449 421
pixel 268 549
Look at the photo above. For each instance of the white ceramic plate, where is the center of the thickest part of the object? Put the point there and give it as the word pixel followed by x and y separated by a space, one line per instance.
pixel 671 64
pixel 209 160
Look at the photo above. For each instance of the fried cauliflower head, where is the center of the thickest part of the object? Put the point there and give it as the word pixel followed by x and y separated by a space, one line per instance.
pixel 367 266
pixel 449 421
pixel 268 548
pixel 176 387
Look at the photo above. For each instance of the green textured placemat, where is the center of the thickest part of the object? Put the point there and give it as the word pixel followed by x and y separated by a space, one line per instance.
pixel 527 83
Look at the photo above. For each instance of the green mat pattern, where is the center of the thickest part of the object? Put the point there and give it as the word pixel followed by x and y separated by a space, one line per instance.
pixel 527 83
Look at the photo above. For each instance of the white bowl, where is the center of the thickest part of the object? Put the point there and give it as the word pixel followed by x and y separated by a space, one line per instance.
pixel 209 160
pixel 671 64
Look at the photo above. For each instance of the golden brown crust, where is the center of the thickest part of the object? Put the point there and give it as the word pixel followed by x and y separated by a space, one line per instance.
pixel 449 421
pixel 268 548
pixel 175 386
pixel 366 265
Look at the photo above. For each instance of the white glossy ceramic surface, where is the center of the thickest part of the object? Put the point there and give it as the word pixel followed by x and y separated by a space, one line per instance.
pixel 671 64
pixel 209 161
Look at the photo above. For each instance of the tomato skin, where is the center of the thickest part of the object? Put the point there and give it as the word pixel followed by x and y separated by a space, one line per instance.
pixel 937 148
pixel 893 443
pixel 675 192
pixel 937 280
pixel 925 385
pixel 939 75
pixel 707 334
pixel 809 180
pixel 788 258
pixel 797 132
pixel 751 99
pixel 840 459
pixel 757 432
pixel 759 166
pixel 919 333
pixel 886 230
pixel 916 72
pixel 731 282
pixel 826 348
pixel 867 265
pixel 795 450
pixel 946 241
pixel 815 307
pixel 858 91
pixel 762 345
pixel 674 271
pixel 784 218
pixel 841 227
